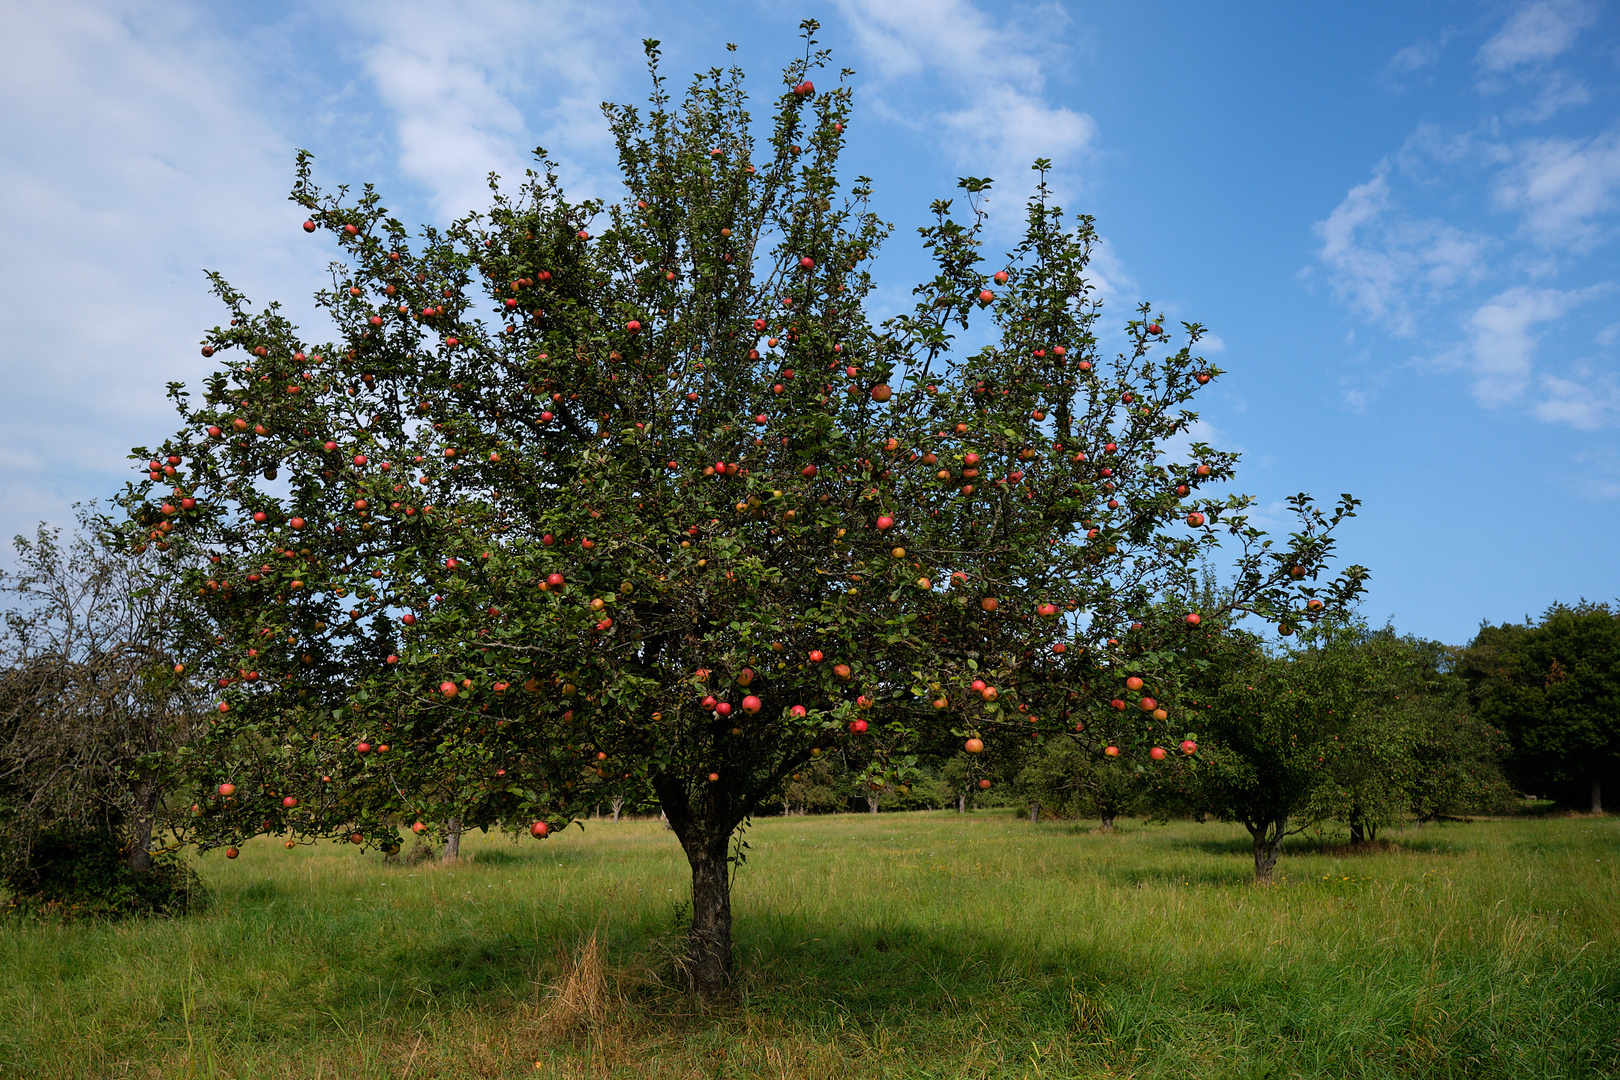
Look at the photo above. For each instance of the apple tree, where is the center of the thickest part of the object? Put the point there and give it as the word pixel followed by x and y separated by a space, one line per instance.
pixel 590 494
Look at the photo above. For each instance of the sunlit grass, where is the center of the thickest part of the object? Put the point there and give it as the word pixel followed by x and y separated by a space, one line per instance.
pixel 892 945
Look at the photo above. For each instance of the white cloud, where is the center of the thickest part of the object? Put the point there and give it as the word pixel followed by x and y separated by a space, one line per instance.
pixel 1564 187
pixel 129 161
pixel 1382 261
pixel 1005 129
pixel 1534 34
pixel 1587 403
pixel 1558 91
pixel 1420 54
pixel 1598 474
pixel 459 78
pixel 1502 339
pixel 1006 123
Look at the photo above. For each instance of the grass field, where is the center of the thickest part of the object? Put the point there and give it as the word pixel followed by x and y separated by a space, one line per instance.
pixel 900 945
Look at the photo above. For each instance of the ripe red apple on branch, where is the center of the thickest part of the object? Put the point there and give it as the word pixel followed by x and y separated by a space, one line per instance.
pixel 606 449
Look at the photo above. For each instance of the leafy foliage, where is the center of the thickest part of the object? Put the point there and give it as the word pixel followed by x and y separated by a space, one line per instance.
pixel 84 873
pixel 1553 689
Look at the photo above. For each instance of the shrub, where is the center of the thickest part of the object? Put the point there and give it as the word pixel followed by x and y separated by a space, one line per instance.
pixel 86 874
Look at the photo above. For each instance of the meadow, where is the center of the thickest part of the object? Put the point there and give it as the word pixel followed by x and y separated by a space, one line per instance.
pixel 898 945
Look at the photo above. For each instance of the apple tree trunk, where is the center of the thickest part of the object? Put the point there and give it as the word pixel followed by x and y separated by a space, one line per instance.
pixel 452 840
pixel 704 827
pixel 1035 813
pixel 618 807
pixel 1597 796
pixel 1108 822
pixel 1267 846
pixel 140 826
pixel 961 802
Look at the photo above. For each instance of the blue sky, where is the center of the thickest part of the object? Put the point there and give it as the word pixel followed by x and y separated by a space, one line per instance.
pixel 1402 222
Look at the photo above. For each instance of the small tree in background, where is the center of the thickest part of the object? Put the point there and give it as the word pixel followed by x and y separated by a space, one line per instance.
pixel 1272 725
pixel 589 494
pixel 95 719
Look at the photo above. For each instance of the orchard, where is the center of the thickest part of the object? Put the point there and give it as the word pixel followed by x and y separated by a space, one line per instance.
pixel 583 496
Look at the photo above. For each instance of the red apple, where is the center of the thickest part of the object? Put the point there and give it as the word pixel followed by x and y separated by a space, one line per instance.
pixel 1189 747
pixel 751 704
pixel 289 802
pixel 362 748
pixel 1111 751
pixel 984 785
pixel 1157 753
pixel 539 829
pixel 448 689
pixel 227 790
pixel 1195 519
pixel 1194 619
pixel 885 523
pixel 309 226
pixel 857 726
pixel 231 853
pixel 974 746
pixel 816 656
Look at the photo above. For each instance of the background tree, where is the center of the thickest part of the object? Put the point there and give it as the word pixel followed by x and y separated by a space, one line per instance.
pixel 95 715
pixel 1078 780
pixel 1271 728
pixel 1553 689
pixel 566 510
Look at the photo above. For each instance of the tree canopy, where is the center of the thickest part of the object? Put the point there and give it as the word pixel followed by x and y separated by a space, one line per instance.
pixel 1553 688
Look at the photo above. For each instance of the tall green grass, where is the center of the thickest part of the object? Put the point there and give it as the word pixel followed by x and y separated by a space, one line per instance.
pixel 895 945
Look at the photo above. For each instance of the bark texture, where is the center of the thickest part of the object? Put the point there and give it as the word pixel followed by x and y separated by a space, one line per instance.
pixel 1267 846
